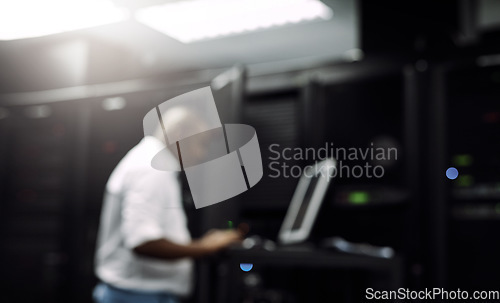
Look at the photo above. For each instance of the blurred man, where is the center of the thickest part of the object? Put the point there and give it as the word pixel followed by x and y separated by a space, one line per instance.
pixel 144 250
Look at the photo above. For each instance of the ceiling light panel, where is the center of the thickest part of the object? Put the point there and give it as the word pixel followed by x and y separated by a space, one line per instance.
pixel 34 18
pixel 195 20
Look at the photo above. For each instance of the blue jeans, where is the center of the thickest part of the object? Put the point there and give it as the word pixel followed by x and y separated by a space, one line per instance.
pixel 104 293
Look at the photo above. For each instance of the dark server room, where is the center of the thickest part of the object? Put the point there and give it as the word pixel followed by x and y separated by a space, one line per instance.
pixel 281 151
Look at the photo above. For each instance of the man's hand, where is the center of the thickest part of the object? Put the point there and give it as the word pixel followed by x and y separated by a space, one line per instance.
pixel 211 242
pixel 215 240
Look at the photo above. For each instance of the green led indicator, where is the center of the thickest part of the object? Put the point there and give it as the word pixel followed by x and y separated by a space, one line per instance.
pixel 359 197
pixel 462 160
pixel 465 180
pixel 230 224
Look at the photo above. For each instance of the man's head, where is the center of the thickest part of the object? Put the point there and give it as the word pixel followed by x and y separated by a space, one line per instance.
pixel 180 120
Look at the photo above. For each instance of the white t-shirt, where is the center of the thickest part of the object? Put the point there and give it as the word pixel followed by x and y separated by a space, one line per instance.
pixel 142 204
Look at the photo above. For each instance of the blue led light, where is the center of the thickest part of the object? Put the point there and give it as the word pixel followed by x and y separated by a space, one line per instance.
pixel 452 173
pixel 246 266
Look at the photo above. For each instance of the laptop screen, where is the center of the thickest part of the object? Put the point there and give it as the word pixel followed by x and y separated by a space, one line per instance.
pixel 306 202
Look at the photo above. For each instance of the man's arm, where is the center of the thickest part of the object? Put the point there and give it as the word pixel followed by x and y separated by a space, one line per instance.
pixel 210 243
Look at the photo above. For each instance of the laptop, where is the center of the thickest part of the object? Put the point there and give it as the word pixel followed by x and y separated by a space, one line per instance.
pixel 303 209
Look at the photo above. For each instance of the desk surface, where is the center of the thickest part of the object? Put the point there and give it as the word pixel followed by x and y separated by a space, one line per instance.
pixel 309 257
pixel 229 272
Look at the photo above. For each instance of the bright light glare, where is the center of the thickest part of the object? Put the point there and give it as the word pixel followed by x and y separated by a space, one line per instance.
pixel 34 18
pixel 193 20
